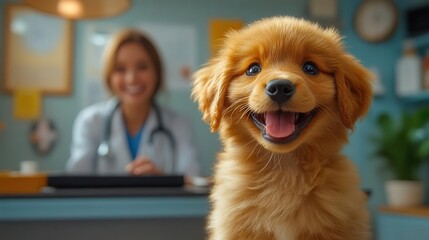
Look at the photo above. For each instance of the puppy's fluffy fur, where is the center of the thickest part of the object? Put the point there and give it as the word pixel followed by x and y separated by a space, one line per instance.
pixel 284 178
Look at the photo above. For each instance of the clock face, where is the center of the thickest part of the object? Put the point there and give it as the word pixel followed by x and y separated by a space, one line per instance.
pixel 376 20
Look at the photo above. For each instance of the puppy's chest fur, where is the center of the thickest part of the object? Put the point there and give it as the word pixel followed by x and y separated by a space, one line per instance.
pixel 279 198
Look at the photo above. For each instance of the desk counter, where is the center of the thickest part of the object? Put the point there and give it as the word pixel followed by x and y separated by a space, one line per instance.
pixel 162 212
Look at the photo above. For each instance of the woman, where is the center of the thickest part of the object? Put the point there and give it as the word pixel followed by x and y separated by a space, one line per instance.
pixel 131 142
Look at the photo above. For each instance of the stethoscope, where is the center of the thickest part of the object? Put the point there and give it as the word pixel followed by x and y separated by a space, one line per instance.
pixel 104 149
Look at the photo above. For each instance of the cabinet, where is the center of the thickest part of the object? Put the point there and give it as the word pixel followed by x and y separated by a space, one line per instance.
pixel 403 223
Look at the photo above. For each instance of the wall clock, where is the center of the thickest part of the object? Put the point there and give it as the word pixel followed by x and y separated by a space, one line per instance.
pixel 376 20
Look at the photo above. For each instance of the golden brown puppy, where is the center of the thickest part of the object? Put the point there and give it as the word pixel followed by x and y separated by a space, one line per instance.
pixel 284 94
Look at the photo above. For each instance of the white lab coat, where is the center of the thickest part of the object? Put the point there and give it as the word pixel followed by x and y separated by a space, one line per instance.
pixel 88 132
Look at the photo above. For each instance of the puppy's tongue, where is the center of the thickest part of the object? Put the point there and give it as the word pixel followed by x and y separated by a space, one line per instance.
pixel 280 124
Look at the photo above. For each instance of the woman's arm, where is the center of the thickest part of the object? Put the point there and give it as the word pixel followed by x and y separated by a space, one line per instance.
pixel 85 141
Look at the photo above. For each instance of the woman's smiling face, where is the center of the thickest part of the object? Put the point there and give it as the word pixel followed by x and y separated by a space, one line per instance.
pixel 134 78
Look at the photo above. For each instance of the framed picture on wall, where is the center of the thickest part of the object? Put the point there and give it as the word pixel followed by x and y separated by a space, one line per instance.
pixel 37 51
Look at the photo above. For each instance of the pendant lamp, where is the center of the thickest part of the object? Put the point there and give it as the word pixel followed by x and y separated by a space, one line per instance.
pixel 81 9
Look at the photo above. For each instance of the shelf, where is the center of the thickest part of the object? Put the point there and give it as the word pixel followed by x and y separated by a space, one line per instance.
pixel 419 211
pixel 421 41
pixel 417 98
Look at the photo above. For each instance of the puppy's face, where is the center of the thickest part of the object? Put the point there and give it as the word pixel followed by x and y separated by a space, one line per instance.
pixel 282 81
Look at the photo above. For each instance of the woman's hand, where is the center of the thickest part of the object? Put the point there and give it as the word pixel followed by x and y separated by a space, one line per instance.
pixel 142 166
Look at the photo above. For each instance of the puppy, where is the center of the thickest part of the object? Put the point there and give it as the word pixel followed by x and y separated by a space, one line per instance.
pixel 284 94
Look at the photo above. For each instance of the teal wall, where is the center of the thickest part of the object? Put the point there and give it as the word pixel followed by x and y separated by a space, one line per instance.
pixel 14 146
pixel 382 56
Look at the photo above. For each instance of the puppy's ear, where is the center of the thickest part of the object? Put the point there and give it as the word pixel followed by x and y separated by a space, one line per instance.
pixel 210 85
pixel 354 90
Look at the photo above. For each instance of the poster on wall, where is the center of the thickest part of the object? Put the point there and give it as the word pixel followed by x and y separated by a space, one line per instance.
pixel 27 104
pixel 176 44
pixel 218 30
pixel 96 39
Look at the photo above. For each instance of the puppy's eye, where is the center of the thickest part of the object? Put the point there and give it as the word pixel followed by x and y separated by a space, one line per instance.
pixel 310 68
pixel 253 69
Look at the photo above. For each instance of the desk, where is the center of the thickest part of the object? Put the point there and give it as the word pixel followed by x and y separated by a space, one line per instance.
pixel 132 213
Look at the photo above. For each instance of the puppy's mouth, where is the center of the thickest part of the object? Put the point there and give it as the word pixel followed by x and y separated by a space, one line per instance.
pixel 281 126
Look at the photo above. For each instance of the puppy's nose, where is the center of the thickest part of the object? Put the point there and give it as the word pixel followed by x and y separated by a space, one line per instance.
pixel 280 90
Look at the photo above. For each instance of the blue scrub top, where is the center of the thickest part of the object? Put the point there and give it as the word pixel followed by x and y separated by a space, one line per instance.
pixel 134 142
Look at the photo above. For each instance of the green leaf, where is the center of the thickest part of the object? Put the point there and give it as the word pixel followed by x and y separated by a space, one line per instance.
pixel 403 143
pixel 423 150
pixel 385 122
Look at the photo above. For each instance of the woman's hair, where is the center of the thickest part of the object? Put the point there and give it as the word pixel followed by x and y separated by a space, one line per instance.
pixel 131 36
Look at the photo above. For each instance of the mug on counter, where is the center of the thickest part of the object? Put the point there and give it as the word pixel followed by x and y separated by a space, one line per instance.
pixel 29 167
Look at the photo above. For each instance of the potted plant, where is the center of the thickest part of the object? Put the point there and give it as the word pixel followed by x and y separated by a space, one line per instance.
pixel 404 145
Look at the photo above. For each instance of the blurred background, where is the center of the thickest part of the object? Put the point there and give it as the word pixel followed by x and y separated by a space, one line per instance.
pixel 389 37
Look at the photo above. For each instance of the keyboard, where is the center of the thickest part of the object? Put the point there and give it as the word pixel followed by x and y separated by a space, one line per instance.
pixel 113 181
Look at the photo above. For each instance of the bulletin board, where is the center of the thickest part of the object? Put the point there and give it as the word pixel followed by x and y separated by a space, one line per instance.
pixel 38 52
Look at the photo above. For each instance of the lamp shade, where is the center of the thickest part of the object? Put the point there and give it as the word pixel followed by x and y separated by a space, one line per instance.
pixel 81 9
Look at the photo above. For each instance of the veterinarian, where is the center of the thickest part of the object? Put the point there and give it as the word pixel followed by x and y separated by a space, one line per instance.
pixel 130 133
